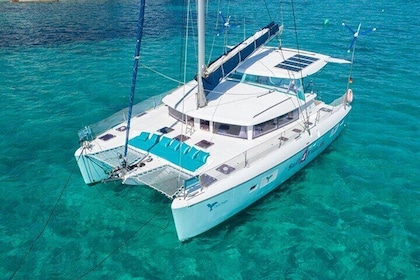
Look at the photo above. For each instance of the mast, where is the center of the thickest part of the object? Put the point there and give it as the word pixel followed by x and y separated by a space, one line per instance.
pixel 201 97
pixel 134 78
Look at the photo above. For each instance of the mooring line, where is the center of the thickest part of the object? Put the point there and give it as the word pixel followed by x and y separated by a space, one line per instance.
pixel 121 244
pixel 45 224
pixel 127 214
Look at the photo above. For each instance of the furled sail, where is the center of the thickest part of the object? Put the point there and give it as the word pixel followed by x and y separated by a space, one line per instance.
pixel 223 65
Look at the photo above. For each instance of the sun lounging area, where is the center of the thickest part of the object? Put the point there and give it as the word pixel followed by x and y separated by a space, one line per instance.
pixel 172 150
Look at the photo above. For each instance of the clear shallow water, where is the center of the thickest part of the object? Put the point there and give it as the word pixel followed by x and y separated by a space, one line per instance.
pixel 352 213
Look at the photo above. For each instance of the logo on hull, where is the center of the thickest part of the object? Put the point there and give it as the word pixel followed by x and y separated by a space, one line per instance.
pixel 267 179
pixel 305 154
pixel 216 204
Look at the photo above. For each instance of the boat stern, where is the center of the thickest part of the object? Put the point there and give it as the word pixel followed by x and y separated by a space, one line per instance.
pixel 93 170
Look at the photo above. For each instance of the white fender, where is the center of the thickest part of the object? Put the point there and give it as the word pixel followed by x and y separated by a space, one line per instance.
pixel 349 96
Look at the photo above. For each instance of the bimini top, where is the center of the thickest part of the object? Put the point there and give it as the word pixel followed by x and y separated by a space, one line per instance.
pixel 285 63
pixel 234 102
pixel 240 100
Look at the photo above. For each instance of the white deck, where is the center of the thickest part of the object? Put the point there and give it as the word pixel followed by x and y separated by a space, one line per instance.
pixel 223 148
pixel 247 103
pixel 242 103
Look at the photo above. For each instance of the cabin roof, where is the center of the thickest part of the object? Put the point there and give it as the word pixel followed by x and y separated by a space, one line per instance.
pixel 240 104
pixel 285 63
pixel 234 102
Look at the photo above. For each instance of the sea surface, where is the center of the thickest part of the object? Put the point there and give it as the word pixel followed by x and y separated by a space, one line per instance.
pixel 353 213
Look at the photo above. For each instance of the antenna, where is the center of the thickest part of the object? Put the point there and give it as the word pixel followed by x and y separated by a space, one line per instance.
pixel 352 48
pixel 226 25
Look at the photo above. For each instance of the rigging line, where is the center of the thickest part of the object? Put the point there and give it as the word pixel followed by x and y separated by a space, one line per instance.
pixel 122 210
pixel 48 219
pixel 281 11
pixel 182 43
pixel 214 35
pixel 298 51
pixel 351 66
pixel 122 243
pixel 160 74
pixel 282 22
pixel 268 10
pixel 190 25
pixel 184 116
pixel 140 24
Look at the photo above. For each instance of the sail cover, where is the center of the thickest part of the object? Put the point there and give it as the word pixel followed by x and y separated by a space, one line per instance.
pixel 223 65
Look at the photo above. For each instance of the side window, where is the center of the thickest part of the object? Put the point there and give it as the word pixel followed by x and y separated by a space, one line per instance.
pixel 230 130
pixel 253 188
pixel 265 127
pixel 177 115
pixel 288 118
pixel 204 125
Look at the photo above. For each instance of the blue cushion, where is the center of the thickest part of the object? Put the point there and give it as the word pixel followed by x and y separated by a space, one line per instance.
pixel 144 144
pixel 154 138
pixel 192 153
pixel 201 156
pixel 174 145
pixel 143 136
pixel 185 148
pixel 164 141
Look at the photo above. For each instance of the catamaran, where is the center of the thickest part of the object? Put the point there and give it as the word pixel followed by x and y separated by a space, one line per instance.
pixel 245 124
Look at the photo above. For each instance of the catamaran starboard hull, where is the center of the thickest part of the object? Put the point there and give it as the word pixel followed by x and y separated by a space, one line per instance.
pixel 199 214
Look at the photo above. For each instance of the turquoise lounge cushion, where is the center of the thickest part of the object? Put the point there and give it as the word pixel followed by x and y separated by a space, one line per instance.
pixel 143 142
pixel 185 148
pixel 164 141
pixel 201 156
pixel 174 145
pixel 192 153
pixel 172 150
pixel 143 136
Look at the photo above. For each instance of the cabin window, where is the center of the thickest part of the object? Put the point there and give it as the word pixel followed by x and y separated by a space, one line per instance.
pixel 252 188
pixel 230 130
pixel 176 114
pixel 252 78
pixel 180 116
pixel 204 125
pixel 282 83
pixel 279 82
pixel 235 76
pixel 288 118
pixel 265 127
pixel 268 126
pixel 190 121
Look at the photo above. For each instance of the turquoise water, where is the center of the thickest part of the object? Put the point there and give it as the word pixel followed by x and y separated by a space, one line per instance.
pixel 351 214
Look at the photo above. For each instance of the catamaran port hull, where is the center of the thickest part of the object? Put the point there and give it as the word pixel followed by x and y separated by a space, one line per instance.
pixel 92 170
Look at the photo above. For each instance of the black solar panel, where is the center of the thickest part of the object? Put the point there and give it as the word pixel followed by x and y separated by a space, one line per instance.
pixel 297 62
pixel 311 58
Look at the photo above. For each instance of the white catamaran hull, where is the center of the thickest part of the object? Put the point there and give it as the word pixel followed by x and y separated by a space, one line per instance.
pixel 92 170
pixel 246 123
pixel 200 213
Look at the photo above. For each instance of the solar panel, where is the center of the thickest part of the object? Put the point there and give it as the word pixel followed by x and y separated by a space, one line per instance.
pixel 311 58
pixel 297 62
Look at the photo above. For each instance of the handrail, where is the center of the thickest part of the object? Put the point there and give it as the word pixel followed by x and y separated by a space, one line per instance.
pixel 121 116
pixel 252 155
